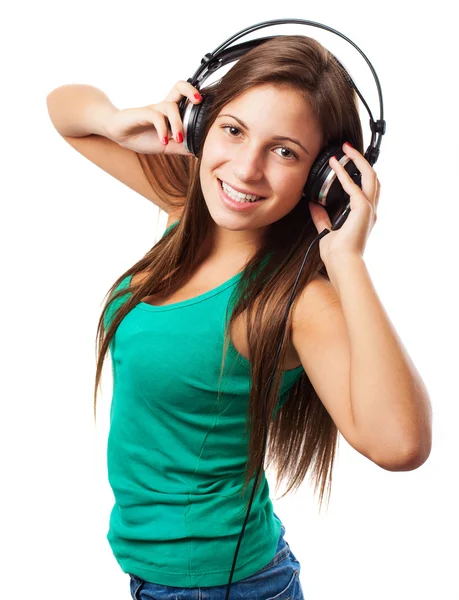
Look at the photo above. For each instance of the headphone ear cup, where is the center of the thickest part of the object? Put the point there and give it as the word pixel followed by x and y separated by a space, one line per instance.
pixel 323 185
pixel 194 124
pixel 321 179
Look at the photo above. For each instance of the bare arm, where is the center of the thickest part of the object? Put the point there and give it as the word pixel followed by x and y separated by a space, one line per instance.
pixel 78 110
pixel 390 402
pixel 375 394
pixel 82 115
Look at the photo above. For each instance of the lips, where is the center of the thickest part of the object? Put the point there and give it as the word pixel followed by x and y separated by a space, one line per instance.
pixel 259 196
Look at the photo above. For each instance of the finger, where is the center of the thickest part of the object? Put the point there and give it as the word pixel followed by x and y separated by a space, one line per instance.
pixel 159 121
pixel 173 114
pixel 183 88
pixel 174 148
pixel 319 216
pixel 169 107
pixel 369 176
pixel 349 186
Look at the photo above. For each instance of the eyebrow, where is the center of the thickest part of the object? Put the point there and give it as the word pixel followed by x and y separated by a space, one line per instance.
pixel 275 137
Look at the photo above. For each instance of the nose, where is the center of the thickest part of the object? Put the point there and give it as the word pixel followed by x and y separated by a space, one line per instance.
pixel 248 163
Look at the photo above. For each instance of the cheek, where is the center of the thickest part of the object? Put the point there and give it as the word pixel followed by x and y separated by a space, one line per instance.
pixel 215 150
pixel 290 186
pixel 299 183
pixel 291 202
pixel 289 191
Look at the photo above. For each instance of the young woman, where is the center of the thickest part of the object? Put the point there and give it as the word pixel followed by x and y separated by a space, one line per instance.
pixel 194 325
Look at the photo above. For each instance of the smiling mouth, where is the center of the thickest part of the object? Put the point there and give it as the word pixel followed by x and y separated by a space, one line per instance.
pixel 259 198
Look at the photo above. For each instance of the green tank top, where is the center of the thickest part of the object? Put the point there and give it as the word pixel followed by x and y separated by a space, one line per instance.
pixel 176 455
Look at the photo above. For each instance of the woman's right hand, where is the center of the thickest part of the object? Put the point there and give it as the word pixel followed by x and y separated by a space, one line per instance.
pixel 142 129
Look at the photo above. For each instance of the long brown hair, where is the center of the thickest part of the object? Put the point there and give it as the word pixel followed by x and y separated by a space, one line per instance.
pixel 302 435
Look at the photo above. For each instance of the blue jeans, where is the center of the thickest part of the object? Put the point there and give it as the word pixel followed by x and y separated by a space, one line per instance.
pixel 279 579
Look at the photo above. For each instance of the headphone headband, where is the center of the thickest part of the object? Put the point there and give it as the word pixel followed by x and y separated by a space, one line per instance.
pixel 222 55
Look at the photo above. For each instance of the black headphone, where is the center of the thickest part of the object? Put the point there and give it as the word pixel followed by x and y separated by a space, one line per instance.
pixel 322 185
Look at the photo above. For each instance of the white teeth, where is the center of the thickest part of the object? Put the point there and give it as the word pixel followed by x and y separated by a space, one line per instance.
pixel 238 196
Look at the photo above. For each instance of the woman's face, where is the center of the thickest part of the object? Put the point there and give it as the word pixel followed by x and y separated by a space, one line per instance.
pixel 241 151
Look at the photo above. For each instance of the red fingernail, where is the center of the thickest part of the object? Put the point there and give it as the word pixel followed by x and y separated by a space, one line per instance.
pixel 198 96
pixel 348 144
pixel 179 137
pixel 165 140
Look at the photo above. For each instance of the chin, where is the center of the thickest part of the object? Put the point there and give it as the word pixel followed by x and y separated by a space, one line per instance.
pixel 229 222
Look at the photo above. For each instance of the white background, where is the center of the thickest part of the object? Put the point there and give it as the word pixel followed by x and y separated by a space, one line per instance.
pixel 69 230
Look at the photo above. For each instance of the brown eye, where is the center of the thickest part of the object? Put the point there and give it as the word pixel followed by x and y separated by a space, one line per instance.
pixel 292 156
pixel 230 127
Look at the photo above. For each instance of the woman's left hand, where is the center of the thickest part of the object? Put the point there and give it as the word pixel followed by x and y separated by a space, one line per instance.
pixel 351 238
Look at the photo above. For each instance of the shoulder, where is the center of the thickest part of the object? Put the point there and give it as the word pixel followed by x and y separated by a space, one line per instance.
pixel 316 296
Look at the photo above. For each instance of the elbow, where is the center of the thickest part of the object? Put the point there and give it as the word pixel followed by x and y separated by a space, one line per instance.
pixel 412 449
pixel 408 460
